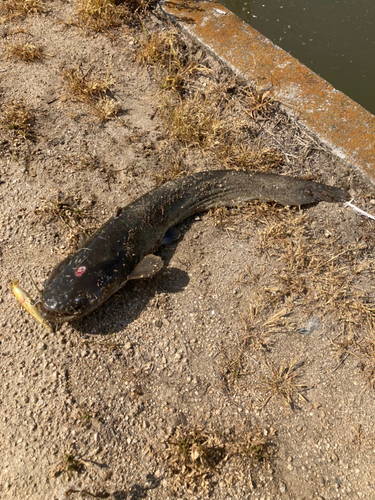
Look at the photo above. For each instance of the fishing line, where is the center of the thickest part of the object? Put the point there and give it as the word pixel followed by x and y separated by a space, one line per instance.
pixel 359 210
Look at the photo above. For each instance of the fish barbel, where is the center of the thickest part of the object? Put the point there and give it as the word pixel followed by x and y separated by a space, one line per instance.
pixel 122 249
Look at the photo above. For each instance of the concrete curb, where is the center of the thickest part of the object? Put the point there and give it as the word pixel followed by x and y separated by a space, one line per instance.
pixel 335 119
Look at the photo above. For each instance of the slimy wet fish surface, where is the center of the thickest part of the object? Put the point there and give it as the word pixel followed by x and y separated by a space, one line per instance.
pixel 122 249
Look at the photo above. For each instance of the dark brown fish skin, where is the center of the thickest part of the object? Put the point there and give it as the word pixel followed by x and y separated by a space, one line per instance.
pixel 137 230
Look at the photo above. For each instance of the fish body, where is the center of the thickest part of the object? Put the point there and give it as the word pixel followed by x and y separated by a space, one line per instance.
pixel 123 247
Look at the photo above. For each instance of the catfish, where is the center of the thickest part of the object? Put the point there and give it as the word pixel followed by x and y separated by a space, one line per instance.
pixel 123 248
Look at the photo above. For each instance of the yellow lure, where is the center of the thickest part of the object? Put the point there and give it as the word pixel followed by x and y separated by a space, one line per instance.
pixel 28 303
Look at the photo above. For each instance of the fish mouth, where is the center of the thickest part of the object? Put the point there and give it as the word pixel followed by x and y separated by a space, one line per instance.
pixel 50 314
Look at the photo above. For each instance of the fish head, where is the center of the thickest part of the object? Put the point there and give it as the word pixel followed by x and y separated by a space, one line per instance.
pixel 64 306
pixel 78 289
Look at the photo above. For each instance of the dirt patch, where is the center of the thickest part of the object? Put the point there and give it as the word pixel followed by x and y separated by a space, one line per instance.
pixel 245 368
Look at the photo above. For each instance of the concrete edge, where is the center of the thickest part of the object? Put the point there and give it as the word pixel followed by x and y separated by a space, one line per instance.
pixel 344 126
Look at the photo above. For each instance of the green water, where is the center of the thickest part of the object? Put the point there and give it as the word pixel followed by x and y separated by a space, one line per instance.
pixel 335 38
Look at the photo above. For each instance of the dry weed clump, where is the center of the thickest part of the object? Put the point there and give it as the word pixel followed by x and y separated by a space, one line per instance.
pixel 315 274
pixel 173 69
pixel 209 119
pixel 103 15
pixel 259 101
pixel 318 272
pixel 75 219
pixel 26 52
pixel 67 209
pixel 236 155
pixel 156 47
pixel 92 91
pixel 15 115
pixel 21 8
pixel 201 112
pixel 195 121
pixel 68 465
pixel 282 382
pixel 252 447
pixel 232 370
pixel 173 170
pixel 260 324
pixel 196 456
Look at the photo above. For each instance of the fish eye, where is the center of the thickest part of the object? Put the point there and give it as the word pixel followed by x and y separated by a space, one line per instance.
pixel 79 302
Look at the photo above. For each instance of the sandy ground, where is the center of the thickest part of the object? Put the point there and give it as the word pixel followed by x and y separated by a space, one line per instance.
pixel 166 390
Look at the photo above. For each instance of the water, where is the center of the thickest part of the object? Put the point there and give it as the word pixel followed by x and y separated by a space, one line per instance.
pixel 335 38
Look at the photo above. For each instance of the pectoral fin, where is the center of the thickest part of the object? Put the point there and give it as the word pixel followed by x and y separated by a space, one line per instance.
pixel 147 268
pixel 171 236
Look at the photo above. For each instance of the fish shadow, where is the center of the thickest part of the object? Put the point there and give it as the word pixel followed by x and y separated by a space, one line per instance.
pixel 127 304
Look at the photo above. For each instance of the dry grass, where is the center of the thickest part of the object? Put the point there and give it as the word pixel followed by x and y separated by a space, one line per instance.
pixel 26 52
pixel 306 273
pixel 232 370
pixel 282 382
pixel 16 116
pixel 21 8
pixel 155 47
pixel 259 101
pixel 172 68
pixel 210 120
pixel 261 321
pixel 67 209
pixel 173 170
pixel 92 90
pixel 252 447
pixel 196 456
pixel 281 228
pixel 318 271
pixel 319 274
pixel 68 465
pixel 85 88
pixel 104 15
pixel 76 219
pixel 197 450
pixel 236 155
pixel 192 122
pixel 179 74
pixel 200 112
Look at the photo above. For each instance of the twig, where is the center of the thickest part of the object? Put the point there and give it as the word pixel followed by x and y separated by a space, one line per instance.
pixel 341 362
